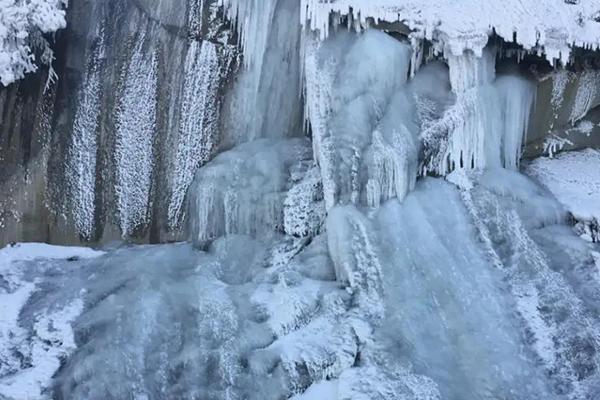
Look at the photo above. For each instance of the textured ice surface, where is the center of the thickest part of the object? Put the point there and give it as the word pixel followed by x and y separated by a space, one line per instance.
pixel 472 292
pixel 547 269
pixel 198 132
pixel 323 270
pixel 553 26
pixel 243 190
pixel 83 152
pixel 266 97
pixel 34 337
pixel 135 134
pixel 364 133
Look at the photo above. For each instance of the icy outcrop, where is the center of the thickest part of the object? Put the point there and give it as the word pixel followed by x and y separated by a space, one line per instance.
pixel 549 28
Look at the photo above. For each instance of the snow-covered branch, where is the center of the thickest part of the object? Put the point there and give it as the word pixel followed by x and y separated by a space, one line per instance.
pixel 23 24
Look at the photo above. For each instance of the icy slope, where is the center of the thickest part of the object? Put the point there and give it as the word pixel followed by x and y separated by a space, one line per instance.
pixel 554 26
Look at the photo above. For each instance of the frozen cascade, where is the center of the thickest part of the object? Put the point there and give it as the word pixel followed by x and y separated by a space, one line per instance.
pixel 197 138
pixel 81 163
pixel 316 269
pixel 266 97
pixel 135 133
pixel 548 270
pixel 365 138
pixel 493 115
pixel 242 191
pixel 440 291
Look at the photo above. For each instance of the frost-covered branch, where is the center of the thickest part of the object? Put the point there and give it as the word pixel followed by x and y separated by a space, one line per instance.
pixel 23 24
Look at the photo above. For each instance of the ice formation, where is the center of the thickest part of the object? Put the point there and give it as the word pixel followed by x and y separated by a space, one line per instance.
pixel 83 153
pixel 387 249
pixel 242 191
pixel 551 28
pixel 197 138
pixel 136 129
pixel 487 124
pixel 365 138
pixel 266 98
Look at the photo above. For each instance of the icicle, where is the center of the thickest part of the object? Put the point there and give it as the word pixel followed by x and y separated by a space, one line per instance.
pixel 417 55
pixel 252 19
pixel 198 130
pixel 516 101
pixel 135 133
pixel 265 101
pixel 242 191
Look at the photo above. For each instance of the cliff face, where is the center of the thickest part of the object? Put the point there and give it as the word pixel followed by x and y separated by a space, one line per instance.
pixel 96 157
pixel 146 94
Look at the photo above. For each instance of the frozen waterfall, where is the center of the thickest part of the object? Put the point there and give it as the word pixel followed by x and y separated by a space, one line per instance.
pixel 358 228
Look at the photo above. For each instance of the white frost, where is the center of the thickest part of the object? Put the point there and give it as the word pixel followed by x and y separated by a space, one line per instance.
pixel 553 27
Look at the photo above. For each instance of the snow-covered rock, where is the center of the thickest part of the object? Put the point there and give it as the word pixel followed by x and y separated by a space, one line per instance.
pixel 549 27
pixel 574 179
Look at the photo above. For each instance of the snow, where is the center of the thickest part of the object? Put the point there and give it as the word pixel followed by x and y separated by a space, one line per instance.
pixel 551 27
pixel 319 391
pixel 33 251
pixel 573 178
pixel 22 24
pixel 52 337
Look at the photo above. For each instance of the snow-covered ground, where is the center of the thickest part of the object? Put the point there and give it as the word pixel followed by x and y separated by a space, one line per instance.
pixel 459 25
pixel 574 178
pixel 31 355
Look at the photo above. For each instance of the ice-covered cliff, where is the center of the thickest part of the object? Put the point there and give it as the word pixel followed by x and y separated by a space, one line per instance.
pixel 366 212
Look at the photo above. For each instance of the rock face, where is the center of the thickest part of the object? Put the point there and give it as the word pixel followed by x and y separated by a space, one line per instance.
pixel 567 112
pixel 145 96
pixel 98 156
